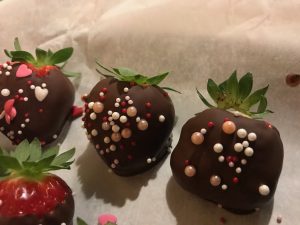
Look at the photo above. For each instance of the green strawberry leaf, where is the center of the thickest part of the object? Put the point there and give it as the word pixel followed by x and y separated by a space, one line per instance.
pixel 9 162
pixel 41 55
pixel 123 71
pixel 22 56
pixel 63 158
pixel 204 100
pixel 245 86
pixel 106 69
pixel 22 152
pixel 45 163
pixel 71 74
pixel 49 53
pixel 17 44
pixel 170 89
pixel 50 152
pixel 81 221
pixel 35 150
pixel 213 90
pixel 7 53
pixel 233 87
pixel 262 105
pixel 254 98
pixel 156 80
pixel 61 56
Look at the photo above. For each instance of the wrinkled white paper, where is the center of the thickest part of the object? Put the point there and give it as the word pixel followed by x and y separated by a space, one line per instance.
pixel 193 39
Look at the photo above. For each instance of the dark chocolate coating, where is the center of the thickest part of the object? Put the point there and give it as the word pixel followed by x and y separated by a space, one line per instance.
pixel 132 153
pixel 46 117
pixel 264 167
pixel 63 213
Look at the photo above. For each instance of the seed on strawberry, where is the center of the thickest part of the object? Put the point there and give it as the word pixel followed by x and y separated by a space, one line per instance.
pixel 135 122
pixel 232 155
pixel 35 85
pixel 29 194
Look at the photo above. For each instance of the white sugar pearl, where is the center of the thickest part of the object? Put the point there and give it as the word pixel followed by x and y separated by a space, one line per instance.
pixel 130 102
pixel 244 161
pixel 94 132
pixel 238 170
pixel 101 94
pixel 127 97
pixel 123 119
pixel 27 120
pixel 44 85
pixel 249 151
pixel 113 148
pixel 245 144
pixel 264 190
pixel 4 65
pixel 221 158
pixel 101 152
pixel 90 105
pixel 32 87
pixel 138 119
pixel 238 147
pixel 161 118
pixel 97 146
pixel 9 67
pixel 218 148
pixel 241 133
pixel 224 187
pixel 7 73
pixel 126 89
pixel 106 140
pixel 93 116
pixel 118 100
pixel 5 92
pixel 113 165
pixel 116 161
pixel 149 160
pixel 252 137
pixel 20 132
pixel 0 72
pixel 22 125
pixel 115 128
pixel 117 105
pixel 20 91
pixel 26 99
pixel 109 112
pixel 231 164
pixel 203 131
pixel 115 115
pixel 110 118
pixel 54 136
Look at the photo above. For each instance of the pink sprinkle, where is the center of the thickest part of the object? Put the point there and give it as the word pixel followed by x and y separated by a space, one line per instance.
pixel 106 218
pixel 211 124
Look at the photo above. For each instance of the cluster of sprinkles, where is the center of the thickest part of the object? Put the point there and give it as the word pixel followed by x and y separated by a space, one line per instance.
pixel 242 148
pixel 118 121
pixel 11 100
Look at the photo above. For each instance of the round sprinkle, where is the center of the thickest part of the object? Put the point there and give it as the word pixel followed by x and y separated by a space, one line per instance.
pixel 112 123
pixel 126 133
pixel 123 119
pixel 252 137
pixel 203 131
pixel 101 94
pixel 113 165
pixel 249 151
pixel 138 119
pixel 238 170
pixel 142 125
pixel 20 132
pixel 127 97
pixel 264 190
pixel 23 125
pixel 7 73
pixel 107 150
pixel 215 180
pixel 94 132
pixel 110 118
pixel 245 144
pixel 32 87
pixel 106 140
pixel 130 102
pixel 241 133
pixel 20 91
pixel 5 92
pixel 118 100
pixel 115 115
pixel 116 137
pixel 101 152
pixel 224 187
pixel 190 171
pixel 98 107
pixel 9 67
pixel 231 164
pixel 238 147
pixel 113 148
pixel 197 138
pixel 44 85
pixel 161 118
pixel 235 180
pixel 116 161
pixel 125 89
pixel 228 127
pixel 90 105
pixel 105 126
pixel 210 124
pixel 109 112
pixel 218 148
pixel 131 111
pixel 25 99
pixel 54 136
pixel 149 160
pixel 93 116
pixel 115 128
pixel 117 104
pixel 5 65
pixel 244 161
pixel 221 158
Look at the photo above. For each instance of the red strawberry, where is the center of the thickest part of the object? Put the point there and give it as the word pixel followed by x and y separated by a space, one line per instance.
pixel 129 119
pixel 225 154
pixel 36 98
pixel 29 194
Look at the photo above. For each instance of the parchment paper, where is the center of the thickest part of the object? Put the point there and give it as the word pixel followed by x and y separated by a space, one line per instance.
pixel 195 40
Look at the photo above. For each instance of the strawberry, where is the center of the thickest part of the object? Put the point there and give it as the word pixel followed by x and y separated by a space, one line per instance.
pixel 29 193
pixel 36 98
pixel 129 119
pixel 225 154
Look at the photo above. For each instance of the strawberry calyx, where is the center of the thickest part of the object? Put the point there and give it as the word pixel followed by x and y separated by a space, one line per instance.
pixel 29 161
pixel 235 96
pixel 44 61
pixel 128 75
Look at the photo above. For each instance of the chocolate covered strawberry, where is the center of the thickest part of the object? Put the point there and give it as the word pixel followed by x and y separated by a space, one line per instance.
pixel 36 97
pixel 29 193
pixel 225 154
pixel 129 119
